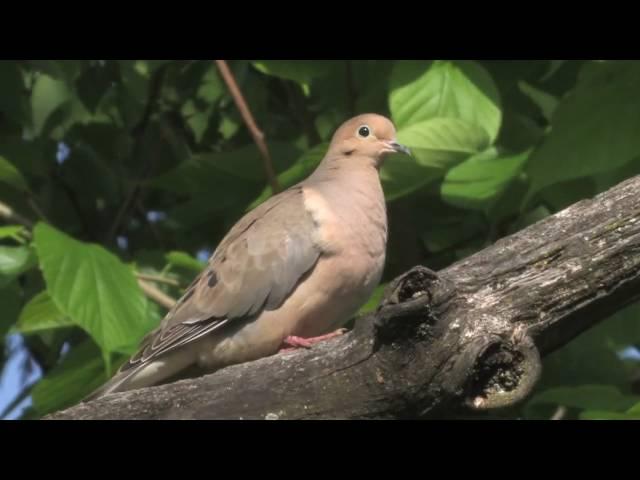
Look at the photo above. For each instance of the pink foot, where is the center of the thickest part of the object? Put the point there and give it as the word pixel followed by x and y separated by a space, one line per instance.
pixel 293 342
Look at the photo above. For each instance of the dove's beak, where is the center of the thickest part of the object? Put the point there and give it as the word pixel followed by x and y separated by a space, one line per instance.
pixel 396 147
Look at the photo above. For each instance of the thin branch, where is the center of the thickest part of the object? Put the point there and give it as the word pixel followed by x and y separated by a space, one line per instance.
pixel 245 112
pixel 158 279
pixel 11 215
pixel 154 230
pixel 560 413
pixel 138 132
pixel 75 203
pixel 156 295
pixel 124 209
pixel 31 201
pixel 24 393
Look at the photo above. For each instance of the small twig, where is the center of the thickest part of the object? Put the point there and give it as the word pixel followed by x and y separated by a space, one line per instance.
pixel 150 290
pixel 158 279
pixel 9 214
pixel 154 230
pixel 36 209
pixel 24 393
pixel 75 203
pixel 256 133
pixel 124 208
pixel 156 295
pixel 138 132
pixel 155 88
pixel 560 413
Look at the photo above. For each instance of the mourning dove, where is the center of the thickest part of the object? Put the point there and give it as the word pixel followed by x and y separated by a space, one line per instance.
pixel 298 266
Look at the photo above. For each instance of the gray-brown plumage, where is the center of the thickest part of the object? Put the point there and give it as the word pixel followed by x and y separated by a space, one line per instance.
pixel 300 264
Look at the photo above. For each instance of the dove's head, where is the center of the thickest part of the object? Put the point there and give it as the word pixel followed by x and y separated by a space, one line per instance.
pixel 367 136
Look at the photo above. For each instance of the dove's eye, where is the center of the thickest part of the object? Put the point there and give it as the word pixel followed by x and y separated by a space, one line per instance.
pixel 363 131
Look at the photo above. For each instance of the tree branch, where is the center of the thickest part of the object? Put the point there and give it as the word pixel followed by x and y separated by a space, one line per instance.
pixel 138 132
pixel 469 337
pixel 158 279
pixel 156 294
pixel 245 112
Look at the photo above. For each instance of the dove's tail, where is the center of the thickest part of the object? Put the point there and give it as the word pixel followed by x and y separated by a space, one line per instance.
pixel 116 384
pixel 144 375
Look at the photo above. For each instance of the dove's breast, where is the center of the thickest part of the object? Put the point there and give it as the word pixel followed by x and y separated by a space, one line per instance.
pixel 353 238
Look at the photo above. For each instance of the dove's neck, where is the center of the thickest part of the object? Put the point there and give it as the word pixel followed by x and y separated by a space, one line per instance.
pixel 347 174
pixel 352 189
pixel 336 168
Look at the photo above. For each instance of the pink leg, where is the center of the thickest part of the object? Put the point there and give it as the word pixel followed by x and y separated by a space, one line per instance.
pixel 294 342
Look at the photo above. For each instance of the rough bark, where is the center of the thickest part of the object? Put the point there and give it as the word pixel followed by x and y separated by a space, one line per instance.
pixel 469 336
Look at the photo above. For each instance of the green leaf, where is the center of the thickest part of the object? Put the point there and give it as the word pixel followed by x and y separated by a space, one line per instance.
pixel 49 96
pixel 200 107
pixel 66 70
pixel 605 180
pixel 443 142
pixel 15 232
pixel 604 415
pixel 79 373
pixel 93 287
pixel 445 234
pixel 560 195
pixel 554 66
pixel 371 79
pixel 202 208
pixel 546 102
pixel 587 397
pixel 13 101
pixel 40 313
pixel 478 182
pixel 198 120
pixel 156 64
pixel 436 145
pixel 183 259
pixel 136 78
pixel 214 171
pixel 463 90
pixel 300 71
pixel 595 127
pixel 592 357
pixel 402 175
pixel 635 409
pixel 211 88
pixel 620 330
pixel 374 300
pixel 94 82
pixel 300 170
pixel 228 127
pixel 58 117
pixel 14 261
pixel 10 300
pixel 11 175
pixel 26 156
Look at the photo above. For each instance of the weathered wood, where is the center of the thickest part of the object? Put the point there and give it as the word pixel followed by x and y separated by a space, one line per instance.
pixel 470 336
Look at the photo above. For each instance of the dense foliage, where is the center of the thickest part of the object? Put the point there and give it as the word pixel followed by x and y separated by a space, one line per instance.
pixel 113 170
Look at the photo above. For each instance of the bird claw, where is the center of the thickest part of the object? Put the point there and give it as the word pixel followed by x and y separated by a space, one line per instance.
pixel 296 342
pixel 293 342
